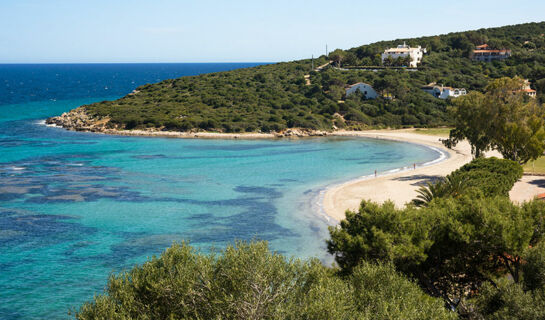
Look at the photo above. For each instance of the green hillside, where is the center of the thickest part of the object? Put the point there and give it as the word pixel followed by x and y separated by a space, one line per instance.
pixel 275 97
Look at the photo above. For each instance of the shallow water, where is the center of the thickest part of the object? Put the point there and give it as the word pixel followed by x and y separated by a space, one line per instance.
pixel 76 206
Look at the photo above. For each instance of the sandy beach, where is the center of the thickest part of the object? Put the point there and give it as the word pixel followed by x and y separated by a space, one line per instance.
pixel 400 187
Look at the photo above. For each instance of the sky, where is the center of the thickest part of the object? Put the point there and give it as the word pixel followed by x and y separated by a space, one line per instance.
pixel 96 31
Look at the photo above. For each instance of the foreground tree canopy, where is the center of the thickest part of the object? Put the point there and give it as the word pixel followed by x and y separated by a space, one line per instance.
pixel 247 281
pixel 275 97
pixel 458 244
pixel 503 118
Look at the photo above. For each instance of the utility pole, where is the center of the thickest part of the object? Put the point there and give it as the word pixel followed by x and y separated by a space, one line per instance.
pixel 312 62
pixel 326 50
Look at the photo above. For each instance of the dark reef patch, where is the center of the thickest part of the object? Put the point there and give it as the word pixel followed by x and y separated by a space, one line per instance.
pixel 38 230
pixel 149 156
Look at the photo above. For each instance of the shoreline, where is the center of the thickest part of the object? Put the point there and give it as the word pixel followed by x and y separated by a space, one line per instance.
pixel 399 184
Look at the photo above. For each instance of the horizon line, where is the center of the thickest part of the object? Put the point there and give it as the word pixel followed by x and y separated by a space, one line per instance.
pixel 213 62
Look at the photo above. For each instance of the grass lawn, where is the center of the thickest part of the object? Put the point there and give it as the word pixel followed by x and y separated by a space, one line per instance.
pixel 443 132
pixel 537 166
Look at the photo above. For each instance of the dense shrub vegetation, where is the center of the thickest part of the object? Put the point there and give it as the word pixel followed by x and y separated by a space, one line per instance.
pixel 474 248
pixel 274 97
pixel 247 281
pixel 491 176
pixel 483 177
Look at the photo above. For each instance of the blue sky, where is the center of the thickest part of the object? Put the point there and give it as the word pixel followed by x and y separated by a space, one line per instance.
pixel 59 31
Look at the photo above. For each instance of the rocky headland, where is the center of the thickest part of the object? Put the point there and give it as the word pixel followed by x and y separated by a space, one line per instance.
pixel 79 120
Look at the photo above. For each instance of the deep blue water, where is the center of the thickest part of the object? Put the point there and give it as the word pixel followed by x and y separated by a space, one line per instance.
pixel 76 206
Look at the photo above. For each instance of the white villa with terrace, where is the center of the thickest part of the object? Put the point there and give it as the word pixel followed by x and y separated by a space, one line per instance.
pixel 403 51
pixel 367 91
pixel 443 92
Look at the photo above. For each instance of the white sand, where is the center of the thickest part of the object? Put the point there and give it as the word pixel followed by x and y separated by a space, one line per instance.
pixel 400 187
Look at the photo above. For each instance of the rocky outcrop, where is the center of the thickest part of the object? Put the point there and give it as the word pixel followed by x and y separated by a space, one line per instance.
pixel 299 132
pixel 79 120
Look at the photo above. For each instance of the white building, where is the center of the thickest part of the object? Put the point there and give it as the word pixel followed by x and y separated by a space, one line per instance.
pixel 527 90
pixel 403 51
pixel 442 92
pixel 367 91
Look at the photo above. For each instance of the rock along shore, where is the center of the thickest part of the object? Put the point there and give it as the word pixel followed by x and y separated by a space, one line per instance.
pixel 79 120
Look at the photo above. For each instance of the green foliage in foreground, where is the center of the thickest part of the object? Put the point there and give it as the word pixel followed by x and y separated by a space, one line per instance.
pixel 509 300
pixel 451 247
pixel 469 244
pixel 275 97
pixel 247 281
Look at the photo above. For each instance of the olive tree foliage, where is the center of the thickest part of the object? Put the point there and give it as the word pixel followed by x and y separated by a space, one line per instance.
pixel 451 247
pixel 247 281
pixel 503 118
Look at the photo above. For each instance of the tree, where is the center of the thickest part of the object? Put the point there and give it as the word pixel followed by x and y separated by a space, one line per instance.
pixel 489 176
pixel 350 58
pixel 509 299
pixel 247 281
pixel 337 56
pixel 502 119
pixel 388 61
pixel 451 247
pixel 517 126
pixel 471 121
pixel 450 186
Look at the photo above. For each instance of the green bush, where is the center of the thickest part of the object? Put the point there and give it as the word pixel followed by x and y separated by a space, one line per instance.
pixel 482 177
pixel 492 176
pixel 247 281
pixel 450 247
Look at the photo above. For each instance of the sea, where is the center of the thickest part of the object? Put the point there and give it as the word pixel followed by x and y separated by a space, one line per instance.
pixel 76 207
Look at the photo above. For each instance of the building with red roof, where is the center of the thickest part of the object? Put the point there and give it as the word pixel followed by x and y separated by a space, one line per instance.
pixel 487 54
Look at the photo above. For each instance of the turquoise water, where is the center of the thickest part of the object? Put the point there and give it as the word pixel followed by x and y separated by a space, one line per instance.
pixel 76 206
